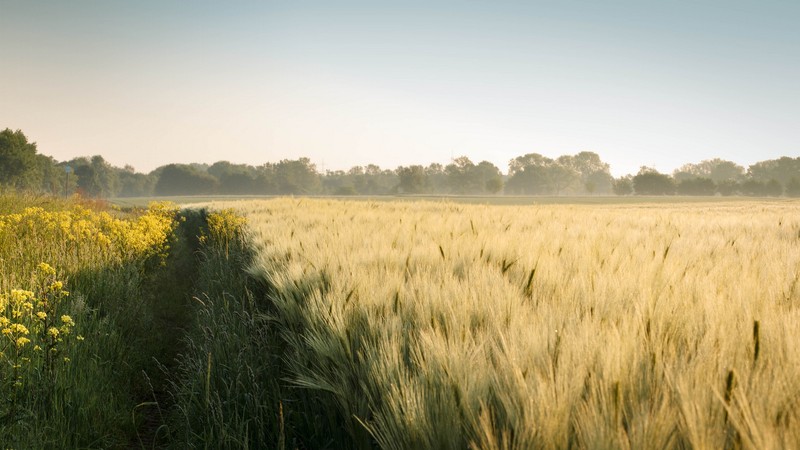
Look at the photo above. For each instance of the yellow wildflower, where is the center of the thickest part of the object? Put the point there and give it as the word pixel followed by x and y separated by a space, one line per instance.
pixel 53 331
pixel 19 328
pixel 21 341
pixel 46 269
pixel 41 315
pixel 20 295
pixel 79 337
pixel 67 320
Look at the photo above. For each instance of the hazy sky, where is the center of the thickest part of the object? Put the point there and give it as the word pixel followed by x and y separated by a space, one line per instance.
pixel 656 83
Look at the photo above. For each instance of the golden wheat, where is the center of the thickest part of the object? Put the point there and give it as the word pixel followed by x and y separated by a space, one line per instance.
pixel 445 325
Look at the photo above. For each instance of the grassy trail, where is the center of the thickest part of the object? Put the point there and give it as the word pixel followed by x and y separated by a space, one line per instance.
pixel 169 293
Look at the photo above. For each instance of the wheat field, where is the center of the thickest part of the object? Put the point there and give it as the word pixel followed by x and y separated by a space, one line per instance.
pixel 441 325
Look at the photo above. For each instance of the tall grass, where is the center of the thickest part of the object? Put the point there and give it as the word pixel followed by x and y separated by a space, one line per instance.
pixel 75 386
pixel 224 389
pixel 436 325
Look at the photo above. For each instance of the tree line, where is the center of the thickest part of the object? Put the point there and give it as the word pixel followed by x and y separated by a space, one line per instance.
pixel 22 167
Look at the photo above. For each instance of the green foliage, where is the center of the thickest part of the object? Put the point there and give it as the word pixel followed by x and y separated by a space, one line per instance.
pixel 623 186
pixel 68 392
pixel 717 170
pixel 793 188
pixel 226 385
pixel 696 186
pixel 781 170
pixel 534 174
pixel 18 161
pixel 412 180
pixel 182 179
pixel 650 182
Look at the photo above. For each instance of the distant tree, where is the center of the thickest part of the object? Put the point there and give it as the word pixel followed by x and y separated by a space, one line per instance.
pixel 234 178
pixel 491 180
pixel 266 181
pixel 19 166
pixel 132 184
pixel 600 182
pixel 623 185
pixel 461 176
pixel 793 187
pixel 345 190
pixel 773 188
pixel 95 176
pixel 357 179
pixel 696 186
pixel 753 188
pixel 728 187
pixel 593 175
pixel 183 179
pixel 379 181
pixel 569 174
pixel 650 182
pixel 717 170
pixel 465 177
pixel 561 178
pixel 337 182
pixel 530 175
pixel 412 180
pixel 52 176
pixel 297 177
pixel 782 170
pixel 530 180
pixel 437 179
pixel 519 163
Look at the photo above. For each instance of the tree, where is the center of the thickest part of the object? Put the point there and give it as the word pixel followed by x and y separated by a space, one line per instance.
pixel 717 170
pixel 491 180
pixel 782 170
pixel 697 186
pixel 529 174
pixel 561 178
pixel 460 176
pixel 753 188
pixel 380 181
pixel 412 180
pixel 132 184
pixel 519 163
pixel 600 182
pixel 18 162
pixel 183 179
pixel 793 187
pixel 437 179
pixel 594 176
pixel 96 177
pixel 52 176
pixel 727 187
pixel 649 182
pixel 773 188
pixel 297 177
pixel 623 185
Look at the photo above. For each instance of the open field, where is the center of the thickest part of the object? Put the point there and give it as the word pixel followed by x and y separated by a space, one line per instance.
pixel 329 323
pixel 445 325
pixel 513 200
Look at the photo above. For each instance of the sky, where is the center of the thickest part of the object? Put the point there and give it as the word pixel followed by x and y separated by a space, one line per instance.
pixel 346 83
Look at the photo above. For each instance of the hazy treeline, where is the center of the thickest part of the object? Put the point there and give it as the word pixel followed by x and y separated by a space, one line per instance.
pixel 22 167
